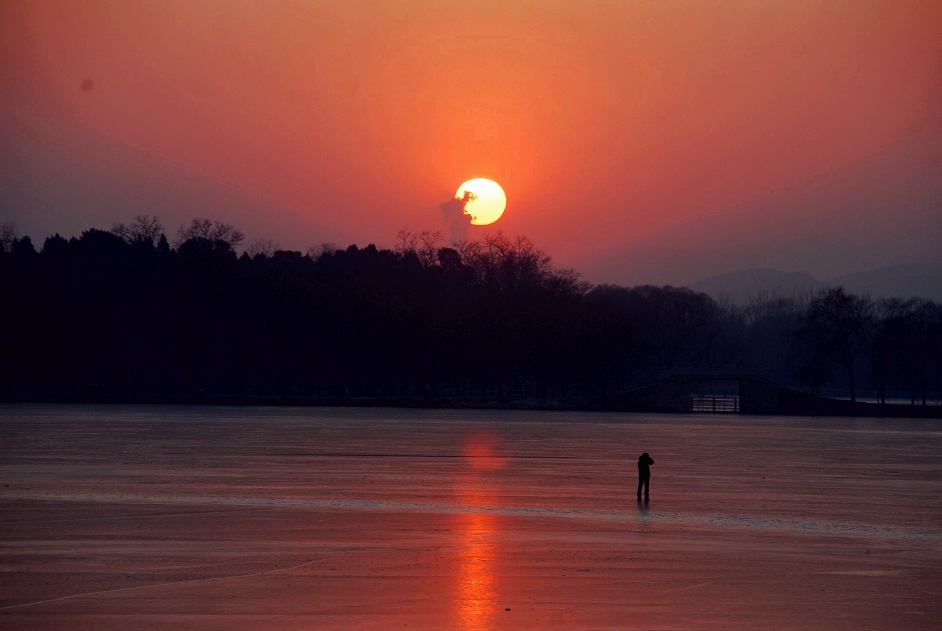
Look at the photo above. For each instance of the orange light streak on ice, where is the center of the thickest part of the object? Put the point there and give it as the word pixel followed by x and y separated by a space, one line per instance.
pixel 475 592
pixel 476 582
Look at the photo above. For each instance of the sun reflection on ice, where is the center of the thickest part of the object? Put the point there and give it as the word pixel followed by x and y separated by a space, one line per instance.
pixel 475 581
pixel 475 594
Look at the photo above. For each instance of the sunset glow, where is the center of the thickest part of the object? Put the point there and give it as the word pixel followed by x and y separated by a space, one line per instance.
pixel 690 138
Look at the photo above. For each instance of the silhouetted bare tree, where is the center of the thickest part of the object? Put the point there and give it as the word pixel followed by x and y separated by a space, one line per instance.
pixel 912 339
pixel 838 325
pixel 202 228
pixel 144 229
pixel 262 247
pixel 934 330
pixel 9 234
pixel 430 242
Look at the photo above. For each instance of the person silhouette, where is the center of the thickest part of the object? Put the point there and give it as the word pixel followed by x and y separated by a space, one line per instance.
pixel 644 474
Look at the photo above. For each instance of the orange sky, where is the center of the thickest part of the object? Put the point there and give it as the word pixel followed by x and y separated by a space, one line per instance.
pixel 736 126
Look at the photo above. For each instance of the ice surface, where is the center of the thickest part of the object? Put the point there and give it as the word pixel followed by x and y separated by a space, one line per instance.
pixel 273 518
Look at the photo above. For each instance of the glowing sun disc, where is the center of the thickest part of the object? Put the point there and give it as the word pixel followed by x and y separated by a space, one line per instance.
pixel 487 202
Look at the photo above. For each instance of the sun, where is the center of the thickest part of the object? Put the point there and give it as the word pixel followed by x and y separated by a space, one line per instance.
pixel 486 200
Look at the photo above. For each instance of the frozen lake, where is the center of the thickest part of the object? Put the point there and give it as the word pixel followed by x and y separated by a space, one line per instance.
pixel 284 518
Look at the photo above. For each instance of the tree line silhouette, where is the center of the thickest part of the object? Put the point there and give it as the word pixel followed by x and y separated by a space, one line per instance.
pixel 125 315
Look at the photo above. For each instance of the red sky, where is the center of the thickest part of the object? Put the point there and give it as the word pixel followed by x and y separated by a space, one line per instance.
pixel 742 128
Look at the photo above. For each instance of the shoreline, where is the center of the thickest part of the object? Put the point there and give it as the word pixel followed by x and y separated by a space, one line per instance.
pixel 792 404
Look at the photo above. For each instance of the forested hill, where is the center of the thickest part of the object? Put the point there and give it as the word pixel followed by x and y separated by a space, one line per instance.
pixel 124 316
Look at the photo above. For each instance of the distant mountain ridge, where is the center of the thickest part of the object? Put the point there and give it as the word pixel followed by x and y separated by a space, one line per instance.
pixel 922 280
pixel 740 286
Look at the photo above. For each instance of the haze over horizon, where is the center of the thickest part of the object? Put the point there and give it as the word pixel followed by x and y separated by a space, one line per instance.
pixel 663 140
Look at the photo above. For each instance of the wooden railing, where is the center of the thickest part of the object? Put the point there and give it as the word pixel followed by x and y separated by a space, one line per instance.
pixel 720 404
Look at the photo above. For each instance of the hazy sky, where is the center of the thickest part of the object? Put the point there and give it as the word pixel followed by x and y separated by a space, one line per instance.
pixel 691 126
